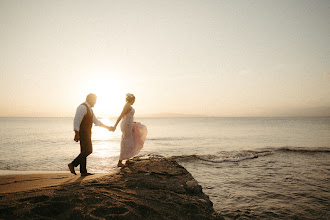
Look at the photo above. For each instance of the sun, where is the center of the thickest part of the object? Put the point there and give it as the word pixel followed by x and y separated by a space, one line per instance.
pixel 110 96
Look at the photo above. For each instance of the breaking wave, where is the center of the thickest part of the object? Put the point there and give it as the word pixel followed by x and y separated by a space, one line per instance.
pixel 305 149
pixel 236 156
pixel 224 156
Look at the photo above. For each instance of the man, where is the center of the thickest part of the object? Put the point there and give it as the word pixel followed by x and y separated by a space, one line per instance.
pixel 82 123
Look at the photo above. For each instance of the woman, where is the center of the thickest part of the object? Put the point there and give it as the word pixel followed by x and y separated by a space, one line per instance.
pixel 134 133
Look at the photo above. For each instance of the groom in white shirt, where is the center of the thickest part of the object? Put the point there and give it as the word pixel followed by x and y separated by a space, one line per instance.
pixel 82 123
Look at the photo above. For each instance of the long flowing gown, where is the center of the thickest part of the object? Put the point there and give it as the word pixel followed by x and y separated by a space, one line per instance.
pixel 133 136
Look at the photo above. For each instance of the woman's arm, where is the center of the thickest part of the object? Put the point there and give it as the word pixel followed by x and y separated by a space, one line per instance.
pixel 123 113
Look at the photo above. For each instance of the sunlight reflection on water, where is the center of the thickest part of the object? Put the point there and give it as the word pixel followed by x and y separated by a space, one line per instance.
pixel 106 144
pixel 47 143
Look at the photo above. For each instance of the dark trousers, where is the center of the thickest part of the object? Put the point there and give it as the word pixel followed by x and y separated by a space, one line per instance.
pixel 85 150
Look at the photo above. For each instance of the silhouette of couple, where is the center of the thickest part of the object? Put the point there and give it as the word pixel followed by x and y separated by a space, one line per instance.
pixel 133 133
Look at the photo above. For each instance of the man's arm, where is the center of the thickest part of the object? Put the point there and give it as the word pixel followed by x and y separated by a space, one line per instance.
pixel 76 136
pixel 106 127
pixel 97 122
pixel 80 113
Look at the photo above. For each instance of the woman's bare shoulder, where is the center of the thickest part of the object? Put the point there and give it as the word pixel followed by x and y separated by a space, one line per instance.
pixel 127 107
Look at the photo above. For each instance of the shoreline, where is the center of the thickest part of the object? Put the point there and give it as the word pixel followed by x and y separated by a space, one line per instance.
pixel 153 188
pixel 27 172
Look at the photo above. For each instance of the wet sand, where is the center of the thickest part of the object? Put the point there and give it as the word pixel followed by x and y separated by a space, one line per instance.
pixel 153 188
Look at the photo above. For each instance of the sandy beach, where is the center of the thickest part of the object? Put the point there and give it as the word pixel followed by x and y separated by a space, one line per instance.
pixel 26 182
pixel 154 188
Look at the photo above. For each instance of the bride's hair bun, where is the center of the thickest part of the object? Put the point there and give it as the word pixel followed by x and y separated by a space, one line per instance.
pixel 130 97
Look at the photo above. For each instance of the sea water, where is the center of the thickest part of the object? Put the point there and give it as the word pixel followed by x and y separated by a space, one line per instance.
pixel 266 168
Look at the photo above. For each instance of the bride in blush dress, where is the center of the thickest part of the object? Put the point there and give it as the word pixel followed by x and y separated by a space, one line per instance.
pixel 133 133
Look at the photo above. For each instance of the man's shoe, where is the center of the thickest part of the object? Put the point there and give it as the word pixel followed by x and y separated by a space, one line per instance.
pixel 87 174
pixel 71 168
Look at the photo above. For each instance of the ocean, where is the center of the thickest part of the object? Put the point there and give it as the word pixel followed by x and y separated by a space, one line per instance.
pixel 251 168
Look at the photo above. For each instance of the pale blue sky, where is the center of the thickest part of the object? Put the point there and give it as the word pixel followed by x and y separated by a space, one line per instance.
pixel 215 58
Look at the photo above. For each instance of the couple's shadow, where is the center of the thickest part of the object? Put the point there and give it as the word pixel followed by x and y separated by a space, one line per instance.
pixel 77 179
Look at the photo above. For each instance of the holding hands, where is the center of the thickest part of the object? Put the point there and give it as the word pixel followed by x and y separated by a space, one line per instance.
pixel 112 128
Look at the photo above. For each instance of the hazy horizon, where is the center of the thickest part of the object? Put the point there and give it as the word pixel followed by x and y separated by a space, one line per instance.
pixel 179 115
pixel 209 58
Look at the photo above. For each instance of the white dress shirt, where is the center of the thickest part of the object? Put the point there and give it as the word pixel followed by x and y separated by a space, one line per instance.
pixel 80 113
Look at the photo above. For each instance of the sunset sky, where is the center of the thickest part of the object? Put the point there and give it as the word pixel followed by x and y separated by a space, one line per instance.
pixel 209 58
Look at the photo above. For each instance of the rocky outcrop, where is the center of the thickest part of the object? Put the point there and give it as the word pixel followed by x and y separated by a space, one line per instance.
pixel 152 188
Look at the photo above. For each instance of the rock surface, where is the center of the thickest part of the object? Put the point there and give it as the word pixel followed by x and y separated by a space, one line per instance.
pixel 153 188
